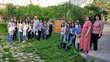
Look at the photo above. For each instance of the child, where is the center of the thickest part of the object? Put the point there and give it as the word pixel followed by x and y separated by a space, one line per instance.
pixel 72 35
pixel 10 30
pixel 25 27
pixel 78 35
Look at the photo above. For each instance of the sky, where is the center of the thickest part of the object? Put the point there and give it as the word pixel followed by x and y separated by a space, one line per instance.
pixel 43 3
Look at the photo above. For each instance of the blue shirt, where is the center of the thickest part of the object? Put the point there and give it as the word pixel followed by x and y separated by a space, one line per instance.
pixel 38 26
pixel 73 30
pixel 29 21
pixel 78 31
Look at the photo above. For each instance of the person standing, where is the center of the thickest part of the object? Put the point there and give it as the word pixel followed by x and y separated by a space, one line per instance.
pixel 78 35
pixel 10 30
pixel 15 30
pixel 20 31
pixel 35 22
pixel 44 30
pixel 29 31
pixel 72 35
pixel 28 19
pixel 96 31
pixel 67 32
pixel 86 35
pixel 62 32
pixel 76 24
pixel 25 27
pixel 50 28
pixel 38 29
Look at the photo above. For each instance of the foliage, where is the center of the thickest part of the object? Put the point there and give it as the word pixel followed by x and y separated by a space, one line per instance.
pixel 3 28
pixel 104 5
pixel 65 11
pixel 11 10
pixel 49 51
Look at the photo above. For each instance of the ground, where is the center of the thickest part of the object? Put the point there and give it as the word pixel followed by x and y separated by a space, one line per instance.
pixel 103 53
pixel 35 51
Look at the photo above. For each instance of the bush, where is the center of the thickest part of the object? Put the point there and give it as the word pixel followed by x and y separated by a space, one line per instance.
pixel 65 11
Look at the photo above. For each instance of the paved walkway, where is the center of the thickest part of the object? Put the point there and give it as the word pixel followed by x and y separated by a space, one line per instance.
pixel 103 53
pixel 14 52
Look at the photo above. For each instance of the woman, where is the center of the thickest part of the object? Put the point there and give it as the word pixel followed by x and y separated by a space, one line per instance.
pixel 44 30
pixel 96 31
pixel 72 35
pixel 62 32
pixel 20 31
pixel 67 32
pixel 78 35
pixel 50 28
pixel 10 28
pixel 39 30
pixel 25 27
pixel 15 30
pixel 86 35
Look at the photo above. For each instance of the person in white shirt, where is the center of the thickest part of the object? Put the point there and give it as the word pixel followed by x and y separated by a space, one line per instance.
pixel 25 27
pixel 35 22
pixel 62 33
pixel 20 31
pixel 10 28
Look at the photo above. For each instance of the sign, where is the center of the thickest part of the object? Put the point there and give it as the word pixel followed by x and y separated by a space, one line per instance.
pixel 57 25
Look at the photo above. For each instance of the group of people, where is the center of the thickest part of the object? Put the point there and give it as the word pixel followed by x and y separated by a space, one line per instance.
pixel 73 33
pixel 83 36
pixel 29 29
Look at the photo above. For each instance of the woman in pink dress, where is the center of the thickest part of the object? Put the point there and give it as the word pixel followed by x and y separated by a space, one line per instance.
pixel 86 35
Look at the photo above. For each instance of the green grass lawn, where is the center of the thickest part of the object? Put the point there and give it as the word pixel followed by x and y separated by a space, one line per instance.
pixel 48 49
pixel 3 28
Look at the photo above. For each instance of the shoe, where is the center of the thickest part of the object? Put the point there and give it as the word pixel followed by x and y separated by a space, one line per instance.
pixel 24 41
pixel 94 51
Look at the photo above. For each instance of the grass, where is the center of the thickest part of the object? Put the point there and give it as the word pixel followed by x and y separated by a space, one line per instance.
pixel 3 28
pixel 48 49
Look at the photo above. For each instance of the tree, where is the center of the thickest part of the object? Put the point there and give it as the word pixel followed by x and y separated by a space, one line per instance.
pixel 11 10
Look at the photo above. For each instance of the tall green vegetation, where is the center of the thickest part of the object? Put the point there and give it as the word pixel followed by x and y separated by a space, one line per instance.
pixel 65 11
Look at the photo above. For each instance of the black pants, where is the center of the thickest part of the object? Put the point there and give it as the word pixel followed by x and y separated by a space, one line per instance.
pixel 50 34
pixel 29 35
pixel 14 35
pixel 94 41
pixel 39 35
pixel 32 35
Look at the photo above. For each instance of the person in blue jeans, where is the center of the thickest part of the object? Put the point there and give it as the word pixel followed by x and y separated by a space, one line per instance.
pixel 62 33
pixel 44 29
pixel 20 31
pixel 25 27
pixel 72 35
pixel 67 32
pixel 10 30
